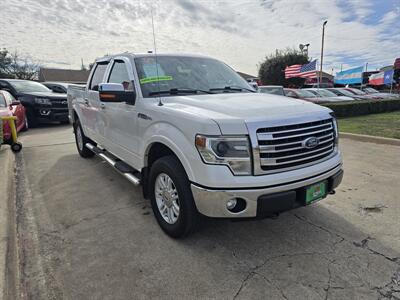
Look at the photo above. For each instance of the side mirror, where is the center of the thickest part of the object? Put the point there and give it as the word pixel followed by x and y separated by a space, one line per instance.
pixel 115 92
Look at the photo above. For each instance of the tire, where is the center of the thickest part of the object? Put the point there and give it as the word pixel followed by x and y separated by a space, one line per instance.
pixel 32 121
pixel 188 217
pixel 81 140
pixel 16 147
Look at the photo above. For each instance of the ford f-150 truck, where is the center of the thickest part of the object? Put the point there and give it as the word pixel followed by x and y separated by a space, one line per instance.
pixel 200 141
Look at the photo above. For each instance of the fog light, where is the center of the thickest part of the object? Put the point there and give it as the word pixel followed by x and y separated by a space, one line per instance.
pixel 44 112
pixel 231 203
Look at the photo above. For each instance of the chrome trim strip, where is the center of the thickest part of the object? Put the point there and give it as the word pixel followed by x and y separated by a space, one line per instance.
pixel 300 166
pixel 271 148
pixel 272 160
pixel 297 129
pixel 253 126
pixel 212 203
pixel 268 137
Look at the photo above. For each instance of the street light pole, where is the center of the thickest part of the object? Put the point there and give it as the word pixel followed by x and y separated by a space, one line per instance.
pixel 322 53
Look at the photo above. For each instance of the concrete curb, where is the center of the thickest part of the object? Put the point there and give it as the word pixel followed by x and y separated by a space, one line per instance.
pixel 7 160
pixel 370 139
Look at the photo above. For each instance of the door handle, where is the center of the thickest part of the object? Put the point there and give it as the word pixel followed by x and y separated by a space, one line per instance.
pixel 144 116
pixel 102 106
pixel 86 101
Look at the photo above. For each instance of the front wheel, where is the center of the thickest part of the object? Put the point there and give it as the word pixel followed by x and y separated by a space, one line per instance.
pixel 26 124
pixel 81 141
pixel 171 197
pixel 32 121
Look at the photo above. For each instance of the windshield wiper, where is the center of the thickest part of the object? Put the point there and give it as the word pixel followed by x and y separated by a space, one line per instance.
pixel 179 92
pixel 232 88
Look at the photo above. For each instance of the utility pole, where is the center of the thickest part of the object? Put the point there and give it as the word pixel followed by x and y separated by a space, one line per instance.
pixel 322 52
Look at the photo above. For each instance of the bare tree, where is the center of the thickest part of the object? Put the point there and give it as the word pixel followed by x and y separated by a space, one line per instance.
pixel 23 67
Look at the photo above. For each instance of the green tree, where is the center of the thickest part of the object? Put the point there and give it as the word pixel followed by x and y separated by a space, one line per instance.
pixel 272 69
pixel 5 62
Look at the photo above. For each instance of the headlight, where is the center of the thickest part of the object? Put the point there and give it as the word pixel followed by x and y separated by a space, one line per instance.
pixel 233 152
pixel 336 129
pixel 43 101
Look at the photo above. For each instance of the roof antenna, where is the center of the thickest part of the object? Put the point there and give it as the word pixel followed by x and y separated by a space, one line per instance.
pixel 155 53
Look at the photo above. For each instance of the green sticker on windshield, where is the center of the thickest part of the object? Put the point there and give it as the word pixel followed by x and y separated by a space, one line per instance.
pixel 155 79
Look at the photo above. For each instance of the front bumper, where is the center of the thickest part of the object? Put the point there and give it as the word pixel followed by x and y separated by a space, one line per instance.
pixel 51 114
pixel 263 201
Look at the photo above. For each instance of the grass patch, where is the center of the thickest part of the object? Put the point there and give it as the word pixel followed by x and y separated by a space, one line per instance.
pixel 385 124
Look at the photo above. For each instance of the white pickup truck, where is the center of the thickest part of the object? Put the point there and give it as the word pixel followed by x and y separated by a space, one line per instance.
pixel 200 141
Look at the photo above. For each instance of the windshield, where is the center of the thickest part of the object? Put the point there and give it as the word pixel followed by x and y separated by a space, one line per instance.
pixel 371 90
pixel 192 74
pixel 357 92
pixel 324 93
pixel 28 87
pixel 276 90
pixel 305 94
pixel 347 93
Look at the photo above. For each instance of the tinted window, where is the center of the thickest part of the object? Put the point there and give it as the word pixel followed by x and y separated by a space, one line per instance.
pixel 2 101
pixel 98 75
pixel 119 74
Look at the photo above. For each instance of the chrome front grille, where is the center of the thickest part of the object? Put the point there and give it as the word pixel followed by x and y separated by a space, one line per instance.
pixel 286 147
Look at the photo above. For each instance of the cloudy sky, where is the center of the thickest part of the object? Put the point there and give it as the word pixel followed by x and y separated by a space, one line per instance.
pixel 240 32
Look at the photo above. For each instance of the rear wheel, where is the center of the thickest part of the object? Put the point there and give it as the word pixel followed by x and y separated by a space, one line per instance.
pixel 171 198
pixel 81 141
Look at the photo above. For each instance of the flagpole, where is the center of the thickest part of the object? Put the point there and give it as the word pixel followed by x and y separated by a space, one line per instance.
pixel 322 51
pixel 391 86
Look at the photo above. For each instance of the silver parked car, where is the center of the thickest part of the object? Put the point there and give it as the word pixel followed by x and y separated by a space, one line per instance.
pixel 271 89
pixel 330 96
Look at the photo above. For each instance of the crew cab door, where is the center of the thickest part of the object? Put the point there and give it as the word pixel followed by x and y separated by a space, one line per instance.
pixel 120 118
pixel 90 105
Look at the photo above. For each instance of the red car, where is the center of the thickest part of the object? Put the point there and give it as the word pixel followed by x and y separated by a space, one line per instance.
pixel 11 107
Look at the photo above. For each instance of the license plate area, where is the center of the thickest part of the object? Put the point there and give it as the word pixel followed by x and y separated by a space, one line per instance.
pixel 316 192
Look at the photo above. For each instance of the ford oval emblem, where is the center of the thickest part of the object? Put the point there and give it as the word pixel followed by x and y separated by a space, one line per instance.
pixel 311 142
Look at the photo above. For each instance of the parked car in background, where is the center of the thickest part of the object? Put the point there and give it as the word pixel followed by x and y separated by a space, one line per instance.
pixel 374 92
pixel 363 94
pixel 57 87
pixel 41 104
pixel 271 89
pixel 319 85
pixel 304 95
pixel 9 106
pixel 329 96
pixel 346 93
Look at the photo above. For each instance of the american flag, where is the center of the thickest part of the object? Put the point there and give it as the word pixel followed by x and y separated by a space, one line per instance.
pixel 305 71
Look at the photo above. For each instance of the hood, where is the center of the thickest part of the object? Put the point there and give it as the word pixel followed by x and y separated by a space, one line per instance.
pixel 44 94
pixel 233 110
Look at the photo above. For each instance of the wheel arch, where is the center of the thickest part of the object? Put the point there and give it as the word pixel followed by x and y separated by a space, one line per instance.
pixel 163 147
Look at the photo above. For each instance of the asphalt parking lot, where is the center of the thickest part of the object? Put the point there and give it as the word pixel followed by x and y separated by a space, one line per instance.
pixel 85 233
